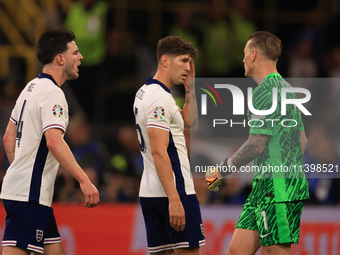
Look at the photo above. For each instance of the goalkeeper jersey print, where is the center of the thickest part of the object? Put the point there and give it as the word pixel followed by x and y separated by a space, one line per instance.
pixel 281 174
pixel 154 107
pixel 40 106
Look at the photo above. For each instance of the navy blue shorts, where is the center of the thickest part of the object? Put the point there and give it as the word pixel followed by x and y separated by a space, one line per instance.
pixel 160 235
pixel 29 226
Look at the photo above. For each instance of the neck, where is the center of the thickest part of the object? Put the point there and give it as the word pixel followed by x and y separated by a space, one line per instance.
pixel 262 73
pixel 55 73
pixel 163 78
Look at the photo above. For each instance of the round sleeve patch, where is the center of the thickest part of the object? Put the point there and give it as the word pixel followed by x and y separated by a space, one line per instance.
pixel 57 111
pixel 159 112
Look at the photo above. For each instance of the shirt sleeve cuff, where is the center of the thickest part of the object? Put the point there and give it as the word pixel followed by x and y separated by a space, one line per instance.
pixel 158 126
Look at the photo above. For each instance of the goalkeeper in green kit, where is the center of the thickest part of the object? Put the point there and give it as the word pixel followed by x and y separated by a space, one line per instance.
pixel 271 215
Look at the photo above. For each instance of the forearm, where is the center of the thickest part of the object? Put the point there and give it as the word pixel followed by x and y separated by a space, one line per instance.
pixel 9 144
pixel 303 140
pixel 9 140
pixel 62 153
pixel 190 112
pixel 252 148
pixel 165 175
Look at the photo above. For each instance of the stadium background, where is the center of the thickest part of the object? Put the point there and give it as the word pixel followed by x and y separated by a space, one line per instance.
pixel 101 131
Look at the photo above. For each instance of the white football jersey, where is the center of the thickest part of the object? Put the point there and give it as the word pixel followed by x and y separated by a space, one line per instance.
pixel 31 176
pixel 155 107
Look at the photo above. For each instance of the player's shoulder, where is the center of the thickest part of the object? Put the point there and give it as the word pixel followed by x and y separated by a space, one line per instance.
pixel 155 90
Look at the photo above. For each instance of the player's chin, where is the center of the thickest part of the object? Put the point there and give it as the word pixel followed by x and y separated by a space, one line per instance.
pixel 246 74
pixel 73 76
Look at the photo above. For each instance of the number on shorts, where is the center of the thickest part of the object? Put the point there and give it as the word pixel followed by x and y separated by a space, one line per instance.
pixel 263 213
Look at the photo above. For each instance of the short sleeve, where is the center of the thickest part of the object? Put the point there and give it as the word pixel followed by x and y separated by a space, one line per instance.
pixel 15 114
pixel 159 112
pixel 54 111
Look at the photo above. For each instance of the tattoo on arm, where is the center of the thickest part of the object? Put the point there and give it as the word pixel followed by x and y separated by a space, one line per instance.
pixel 187 97
pixel 10 151
pixel 250 150
pixel 191 128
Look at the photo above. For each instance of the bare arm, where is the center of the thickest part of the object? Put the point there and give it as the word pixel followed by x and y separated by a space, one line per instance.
pixel 159 141
pixel 62 153
pixel 190 105
pixel 9 141
pixel 252 148
pixel 303 141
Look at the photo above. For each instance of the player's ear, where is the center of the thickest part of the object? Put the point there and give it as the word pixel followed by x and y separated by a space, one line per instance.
pixel 254 55
pixel 60 59
pixel 165 61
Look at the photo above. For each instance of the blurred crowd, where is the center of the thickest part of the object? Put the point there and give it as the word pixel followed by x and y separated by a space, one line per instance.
pixel 101 133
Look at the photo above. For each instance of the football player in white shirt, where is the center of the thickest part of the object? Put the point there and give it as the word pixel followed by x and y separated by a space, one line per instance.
pixel 167 195
pixel 35 147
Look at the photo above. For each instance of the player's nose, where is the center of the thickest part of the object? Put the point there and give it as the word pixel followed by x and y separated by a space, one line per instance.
pixel 187 67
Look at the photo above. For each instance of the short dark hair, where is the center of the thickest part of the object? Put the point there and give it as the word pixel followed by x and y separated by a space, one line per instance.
pixel 176 46
pixel 268 43
pixel 51 43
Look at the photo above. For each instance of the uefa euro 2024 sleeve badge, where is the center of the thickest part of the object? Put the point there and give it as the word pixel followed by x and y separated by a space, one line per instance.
pixel 159 112
pixel 57 110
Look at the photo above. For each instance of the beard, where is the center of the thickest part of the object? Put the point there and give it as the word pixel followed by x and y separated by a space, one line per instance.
pixel 71 72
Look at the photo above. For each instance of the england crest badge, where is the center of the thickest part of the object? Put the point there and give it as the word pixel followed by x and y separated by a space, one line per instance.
pixel 40 235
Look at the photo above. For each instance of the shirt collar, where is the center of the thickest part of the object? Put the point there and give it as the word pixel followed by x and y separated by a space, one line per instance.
pixel 47 76
pixel 149 81
pixel 273 75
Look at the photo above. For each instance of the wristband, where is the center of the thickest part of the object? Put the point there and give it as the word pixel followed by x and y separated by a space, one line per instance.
pixel 226 163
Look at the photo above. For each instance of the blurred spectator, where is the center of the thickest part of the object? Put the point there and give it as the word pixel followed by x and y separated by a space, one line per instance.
pixel 323 185
pixel 184 27
pixel 302 64
pixel 332 105
pixel 86 151
pixel 334 65
pixel 123 186
pixel 216 40
pixel 91 21
pixel 241 27
pixel 224 37
pixel 312 32
pixel 113 186
pixel 128 161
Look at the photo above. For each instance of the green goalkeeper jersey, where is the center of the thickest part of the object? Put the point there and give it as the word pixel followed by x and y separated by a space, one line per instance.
pixel 280 173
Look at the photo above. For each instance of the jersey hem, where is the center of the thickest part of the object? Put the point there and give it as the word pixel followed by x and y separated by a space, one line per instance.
pixel 164 195
pixel 19 199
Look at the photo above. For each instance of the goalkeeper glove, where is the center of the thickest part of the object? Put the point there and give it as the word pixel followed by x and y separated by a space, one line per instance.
pixel 214 177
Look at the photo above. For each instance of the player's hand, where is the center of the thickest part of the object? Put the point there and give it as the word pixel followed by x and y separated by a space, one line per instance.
pixel 177 215
pixel 187 84
pixel 91 194
pixel 213 178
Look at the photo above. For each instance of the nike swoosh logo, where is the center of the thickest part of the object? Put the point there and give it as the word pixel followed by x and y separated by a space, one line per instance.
pixel 264 235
